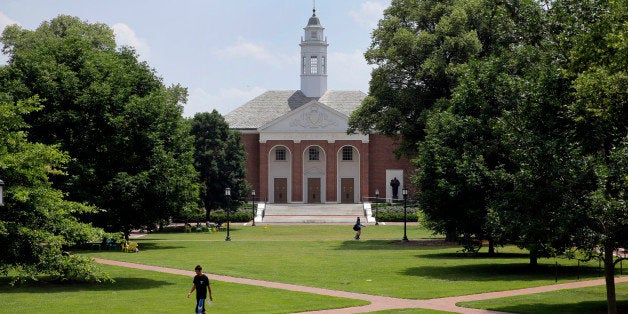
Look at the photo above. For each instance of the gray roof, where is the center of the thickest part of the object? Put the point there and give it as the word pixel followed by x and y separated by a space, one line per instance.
pixel 274 104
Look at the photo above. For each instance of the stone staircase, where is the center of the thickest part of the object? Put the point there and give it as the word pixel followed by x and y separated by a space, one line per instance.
pixel 312 213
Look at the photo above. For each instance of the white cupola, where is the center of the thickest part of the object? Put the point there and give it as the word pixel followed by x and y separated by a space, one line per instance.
pixel 314 58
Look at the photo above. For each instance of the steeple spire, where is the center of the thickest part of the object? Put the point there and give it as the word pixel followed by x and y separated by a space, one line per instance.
pixel 314 57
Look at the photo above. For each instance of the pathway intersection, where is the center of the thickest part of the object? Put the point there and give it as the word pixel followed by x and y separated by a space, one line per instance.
pixel 377 303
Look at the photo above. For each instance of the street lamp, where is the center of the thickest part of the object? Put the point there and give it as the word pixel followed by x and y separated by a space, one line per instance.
pixel 253 195
pixel 376 207
pixel 228 195
pixel 404 191
pixel 1 193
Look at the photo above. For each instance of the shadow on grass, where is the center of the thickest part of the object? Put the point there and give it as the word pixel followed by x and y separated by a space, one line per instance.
pixel 482 255
pixel 145 246
pixel 427 244
pixel 121 283
pixel 589 307
pixel 499 272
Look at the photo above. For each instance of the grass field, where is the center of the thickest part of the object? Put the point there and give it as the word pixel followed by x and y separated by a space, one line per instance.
pixel 319 256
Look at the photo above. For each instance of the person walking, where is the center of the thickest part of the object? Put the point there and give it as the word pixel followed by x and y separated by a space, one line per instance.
pixel 202 286
pixel 358 228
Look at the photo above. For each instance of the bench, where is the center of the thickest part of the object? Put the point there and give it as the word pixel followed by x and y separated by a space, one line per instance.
pixel 130 247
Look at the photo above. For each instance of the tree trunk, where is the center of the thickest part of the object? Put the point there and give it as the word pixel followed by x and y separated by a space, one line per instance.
pixel 450 236
pixel 491 247
pixel 609 274
pixel 534 256
pixel 208 209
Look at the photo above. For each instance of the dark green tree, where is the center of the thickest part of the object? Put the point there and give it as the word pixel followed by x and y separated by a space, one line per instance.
pixel 419 47
pixel 131 153
pixel 592 39
pixel 37 223
pixel 220 159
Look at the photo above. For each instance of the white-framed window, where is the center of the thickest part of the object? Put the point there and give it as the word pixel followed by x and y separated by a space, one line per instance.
pixel 313 65
pixel 323 65
pixel 314 153
pixel 314 34
pixel 280 154
pixel 347 153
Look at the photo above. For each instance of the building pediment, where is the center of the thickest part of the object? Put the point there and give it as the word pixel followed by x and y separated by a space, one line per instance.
pixel 312 121
pixel 313 116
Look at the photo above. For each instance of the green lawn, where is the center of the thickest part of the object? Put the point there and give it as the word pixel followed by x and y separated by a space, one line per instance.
pixel 327 257
pixel 319 256
pixel 586 300
pixel 137 291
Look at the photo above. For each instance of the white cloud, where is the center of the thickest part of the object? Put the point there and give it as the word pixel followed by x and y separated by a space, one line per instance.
pixel 224 100
pixel 125 36
pixel 349 70
pixel 370 13
pixel 6 21
pixel 248 50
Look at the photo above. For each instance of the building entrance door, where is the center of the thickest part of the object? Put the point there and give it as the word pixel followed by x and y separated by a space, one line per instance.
pixel 346 188
pixel 314 190
pixel 281 190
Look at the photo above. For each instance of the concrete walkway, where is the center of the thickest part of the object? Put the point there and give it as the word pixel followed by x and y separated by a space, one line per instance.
pixel 377 303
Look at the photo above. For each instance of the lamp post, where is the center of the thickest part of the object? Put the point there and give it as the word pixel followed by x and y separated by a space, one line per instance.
pixel 1 193
pixel 228 195
pixel 404 191
pixel 376 207
pixel 253 195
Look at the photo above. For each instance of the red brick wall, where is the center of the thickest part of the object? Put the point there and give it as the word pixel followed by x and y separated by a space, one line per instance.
pixel 251 146
pixel 375 157
pixel 382 157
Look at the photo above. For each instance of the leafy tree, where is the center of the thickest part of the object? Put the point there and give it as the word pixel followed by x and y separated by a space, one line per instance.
pixel 37 223
pixel 593 36
pixel 130 149
pixel 220 159
pixel 420 47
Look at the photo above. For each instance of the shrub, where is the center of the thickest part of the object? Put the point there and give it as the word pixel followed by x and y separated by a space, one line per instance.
pixel 394 213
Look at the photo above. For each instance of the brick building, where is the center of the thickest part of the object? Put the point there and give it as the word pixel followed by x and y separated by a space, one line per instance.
pixel 297 143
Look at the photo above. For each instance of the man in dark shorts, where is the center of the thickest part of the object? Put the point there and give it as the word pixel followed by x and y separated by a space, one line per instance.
pixel 202 286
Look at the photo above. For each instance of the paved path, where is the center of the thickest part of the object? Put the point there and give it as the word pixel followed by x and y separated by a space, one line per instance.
pixel 377 303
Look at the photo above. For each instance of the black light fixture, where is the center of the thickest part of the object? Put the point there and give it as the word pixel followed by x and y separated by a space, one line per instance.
pixel 1 193
pixel 228 195
pixel 254 209
pixel 376 207
pixel 404 191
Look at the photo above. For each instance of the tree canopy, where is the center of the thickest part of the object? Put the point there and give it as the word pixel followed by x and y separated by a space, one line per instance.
pixel 130 148
pixel 37 222
pixel 516 115
pixel 220 159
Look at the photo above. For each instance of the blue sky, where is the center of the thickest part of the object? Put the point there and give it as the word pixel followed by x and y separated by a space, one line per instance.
pixel 224 51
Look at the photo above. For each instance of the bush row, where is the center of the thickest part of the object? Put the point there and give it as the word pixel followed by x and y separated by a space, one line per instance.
pixel 394 213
